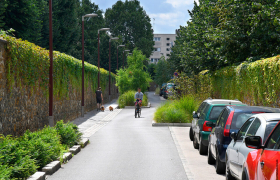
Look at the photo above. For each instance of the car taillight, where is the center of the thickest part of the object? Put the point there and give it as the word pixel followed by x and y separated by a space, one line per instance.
pixel 206 128
pixel 228 124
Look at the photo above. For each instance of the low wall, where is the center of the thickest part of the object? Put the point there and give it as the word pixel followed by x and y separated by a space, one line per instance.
pixel 25 107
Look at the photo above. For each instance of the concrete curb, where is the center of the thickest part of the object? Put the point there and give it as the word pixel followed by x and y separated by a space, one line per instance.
pixel 38 176
pixel 84 142
pixel 154 124
pixel 52 167
pixel 66 157
pixel 75 149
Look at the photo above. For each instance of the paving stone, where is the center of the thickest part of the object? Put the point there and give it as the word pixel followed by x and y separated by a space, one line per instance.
pixel 38 176
pixel 52 167
pixel 75 149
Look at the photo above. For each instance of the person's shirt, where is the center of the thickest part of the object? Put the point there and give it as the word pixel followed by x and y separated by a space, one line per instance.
pixel 139 95
pixel 98 94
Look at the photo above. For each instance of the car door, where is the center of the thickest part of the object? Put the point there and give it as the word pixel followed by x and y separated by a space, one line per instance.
pixel 201 118
pixel 233 152
pixel 243 151
pixel 198 112
pixel 213 137
pixel 219 131
pixel 268 166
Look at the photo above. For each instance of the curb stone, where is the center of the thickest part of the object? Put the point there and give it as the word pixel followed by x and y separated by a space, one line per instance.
pixel 75 149
pixel 154 124
pixel 67 156
pixel 38 176
pixel 84 142
pixel 52 167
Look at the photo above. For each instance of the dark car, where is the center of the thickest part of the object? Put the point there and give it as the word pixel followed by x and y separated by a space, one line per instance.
pixel 230 120
pixel 162 89
pixel 168 90
pixel 210 113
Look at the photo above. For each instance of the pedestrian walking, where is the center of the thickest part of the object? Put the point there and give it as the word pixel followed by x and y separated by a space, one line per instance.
pixel 99 98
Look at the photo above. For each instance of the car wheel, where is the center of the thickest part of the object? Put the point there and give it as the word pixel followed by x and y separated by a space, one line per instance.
pixel 211 159
pixel 195 144
pixel 228 173
pixel 191 134
pixel 202 149
pixel 244 175
pixel 220 166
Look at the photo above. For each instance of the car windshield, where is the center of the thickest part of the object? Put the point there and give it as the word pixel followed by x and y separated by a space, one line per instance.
pixel 269 127
pixel 215 112
pixel 169 87
pixel 239 119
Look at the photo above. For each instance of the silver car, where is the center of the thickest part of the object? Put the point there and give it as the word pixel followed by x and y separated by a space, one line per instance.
pixel 236 154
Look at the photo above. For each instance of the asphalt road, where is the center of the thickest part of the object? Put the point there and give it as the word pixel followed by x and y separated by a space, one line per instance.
pixel 127 148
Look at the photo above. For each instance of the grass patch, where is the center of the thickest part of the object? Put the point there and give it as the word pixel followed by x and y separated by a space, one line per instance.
pixel 177 111
pixel 127 99
pixel 157 91
pixel 20 157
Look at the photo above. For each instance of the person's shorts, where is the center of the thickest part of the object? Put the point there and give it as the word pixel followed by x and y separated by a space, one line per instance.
pixel 98 100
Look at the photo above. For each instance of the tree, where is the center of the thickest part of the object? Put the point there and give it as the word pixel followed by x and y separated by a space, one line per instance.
pixel 129 20
pixel 162 72
pixel 151 70
pixel 134 75
pixel 3 6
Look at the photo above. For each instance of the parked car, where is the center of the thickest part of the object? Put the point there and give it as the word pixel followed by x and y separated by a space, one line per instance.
pixel 237 152
pixel 169 90
pixel 263 163
pixel 162 89
pixel 230 121
pixel 210 112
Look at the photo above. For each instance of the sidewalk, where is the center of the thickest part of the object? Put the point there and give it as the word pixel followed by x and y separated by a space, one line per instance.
pixel 95 120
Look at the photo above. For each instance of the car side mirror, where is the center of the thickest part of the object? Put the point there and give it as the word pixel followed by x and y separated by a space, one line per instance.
pixel 193 112
pixel 195 115
pixel 253 142
pixel 210 124
pixel 233 136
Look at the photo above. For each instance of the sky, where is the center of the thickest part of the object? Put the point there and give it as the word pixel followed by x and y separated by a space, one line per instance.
pixel 168 15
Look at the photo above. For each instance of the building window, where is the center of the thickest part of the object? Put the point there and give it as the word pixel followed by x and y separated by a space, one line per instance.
pixel 156 38
pixel 152 60
pixel 167 44
pixel 157 49
pixel 167 49
pixel 167 39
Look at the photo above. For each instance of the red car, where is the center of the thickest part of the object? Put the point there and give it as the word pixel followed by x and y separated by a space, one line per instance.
pixel 264 163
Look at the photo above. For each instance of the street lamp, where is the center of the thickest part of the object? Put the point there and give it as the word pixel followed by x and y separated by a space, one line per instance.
pixel 102 29
pixel 51 119
pixel 115 38
pixel 118 55
pixel 123 56
pixel 83 68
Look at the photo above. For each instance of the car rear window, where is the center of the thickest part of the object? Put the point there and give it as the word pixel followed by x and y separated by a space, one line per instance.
pixel 239 119
pixel 215 112
pixel 269 127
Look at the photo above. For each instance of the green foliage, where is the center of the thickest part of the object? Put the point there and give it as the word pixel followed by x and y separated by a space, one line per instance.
pixel 129 20
pixel 28 65
pixel 157 90
pixel 134 76
pixel 226 32
pixel 3 6
pixel 151 70
pixel 177 111
pixel 162 71
pixel 68 132
pixel 21 157
pixel 127 99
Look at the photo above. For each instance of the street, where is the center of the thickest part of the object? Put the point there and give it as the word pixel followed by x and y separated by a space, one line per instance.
pixel 130 148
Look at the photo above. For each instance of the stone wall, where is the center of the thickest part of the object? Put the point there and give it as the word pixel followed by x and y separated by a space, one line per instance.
pixel 24 108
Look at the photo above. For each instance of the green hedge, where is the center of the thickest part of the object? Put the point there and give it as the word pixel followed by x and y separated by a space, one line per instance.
pixel 255 83
pixel 28 65
pixel 127 99
pixel 22 156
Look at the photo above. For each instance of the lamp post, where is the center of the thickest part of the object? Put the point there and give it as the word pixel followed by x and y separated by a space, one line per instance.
pixel 102 29
pixel 51 119
pixel 123 56
pixel 115 38
pixel 118 55
pixel 83 68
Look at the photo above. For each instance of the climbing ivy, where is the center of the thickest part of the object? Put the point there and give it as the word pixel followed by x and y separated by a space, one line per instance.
pixel 28 66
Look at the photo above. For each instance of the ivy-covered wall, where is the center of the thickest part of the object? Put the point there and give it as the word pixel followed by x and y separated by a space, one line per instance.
pixel 24 69
pixel 255 83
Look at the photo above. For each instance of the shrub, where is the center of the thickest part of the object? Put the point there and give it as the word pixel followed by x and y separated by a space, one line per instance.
pixel 15 158
pixel 157 90
pixel 69 133
pixel 177 111
pixel 127 99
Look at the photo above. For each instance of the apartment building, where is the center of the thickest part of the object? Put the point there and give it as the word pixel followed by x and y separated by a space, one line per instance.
pixel 162 47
